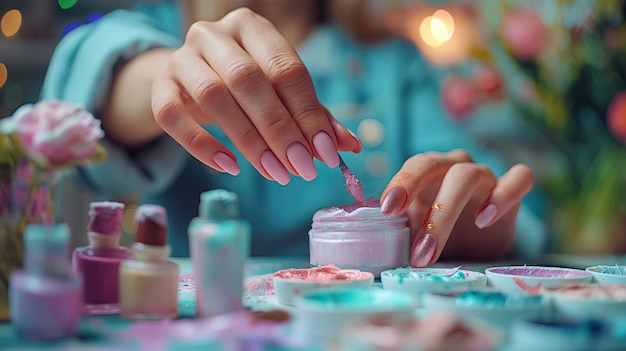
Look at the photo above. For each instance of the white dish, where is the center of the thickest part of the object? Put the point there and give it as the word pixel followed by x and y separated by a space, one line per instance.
pixel 495 307
pixel 588 301
pixel 290 283
pixel 608 274
pixel 421 280
pixel 320 315
pixel 533 278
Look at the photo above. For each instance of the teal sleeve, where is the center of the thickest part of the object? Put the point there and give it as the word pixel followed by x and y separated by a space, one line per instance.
pixel 81 71
pixel 432 129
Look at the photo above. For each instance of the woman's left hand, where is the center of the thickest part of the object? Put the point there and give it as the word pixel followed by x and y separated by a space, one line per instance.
pixel 456 207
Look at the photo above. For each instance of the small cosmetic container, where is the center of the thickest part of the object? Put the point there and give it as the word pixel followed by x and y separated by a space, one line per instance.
pixel 363 239
pixel 149 282
pixel 44 296
pixel 98 263
pixel 220 245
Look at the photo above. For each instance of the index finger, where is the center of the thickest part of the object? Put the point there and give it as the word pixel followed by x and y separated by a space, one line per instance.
pixel 293 85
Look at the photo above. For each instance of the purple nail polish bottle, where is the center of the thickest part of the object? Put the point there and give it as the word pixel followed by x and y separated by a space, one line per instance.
pixel 99 263
pixel 44 296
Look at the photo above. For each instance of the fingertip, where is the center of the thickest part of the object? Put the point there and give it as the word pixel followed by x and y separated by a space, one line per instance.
pixel 226 163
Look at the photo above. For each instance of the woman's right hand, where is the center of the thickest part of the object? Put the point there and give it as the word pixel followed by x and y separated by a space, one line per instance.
pixel 241 74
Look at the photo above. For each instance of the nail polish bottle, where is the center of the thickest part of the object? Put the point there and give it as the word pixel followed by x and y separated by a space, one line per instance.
pixel 44 296
pixel 98 263
pixel 149 282
pixel 220 245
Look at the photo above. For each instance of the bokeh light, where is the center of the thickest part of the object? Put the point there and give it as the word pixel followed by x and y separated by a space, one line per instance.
pixel 4 73
pixel 11 22
pixel 66 4
pixel 73 25
pixel 92 18
pixel 437 29
pixel 69 27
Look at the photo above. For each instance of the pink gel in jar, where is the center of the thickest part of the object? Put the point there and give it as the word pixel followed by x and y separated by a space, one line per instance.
pixel 360 239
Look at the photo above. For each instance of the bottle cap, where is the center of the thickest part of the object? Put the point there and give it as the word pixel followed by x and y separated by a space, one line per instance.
pixel 105 217
pixel 219 205
pixel 151 225
pixel 46 239
pixel 46 248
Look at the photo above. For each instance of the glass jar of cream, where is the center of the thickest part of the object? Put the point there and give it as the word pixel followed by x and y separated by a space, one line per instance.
pixel 361 239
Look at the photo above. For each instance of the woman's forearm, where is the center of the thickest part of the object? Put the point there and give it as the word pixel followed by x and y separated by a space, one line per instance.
pixel 127 116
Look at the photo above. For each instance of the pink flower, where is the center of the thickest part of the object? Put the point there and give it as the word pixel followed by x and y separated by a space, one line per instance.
pixel 524 34
pixel 489 83
pixel 55 132
pixel 458 97
pixel 616 116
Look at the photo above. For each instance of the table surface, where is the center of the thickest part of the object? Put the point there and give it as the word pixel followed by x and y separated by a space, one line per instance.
pixel 90 336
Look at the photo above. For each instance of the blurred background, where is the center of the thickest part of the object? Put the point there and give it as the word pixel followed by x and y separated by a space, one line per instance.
pixel 543 82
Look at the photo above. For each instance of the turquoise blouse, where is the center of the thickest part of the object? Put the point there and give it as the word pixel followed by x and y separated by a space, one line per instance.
pixel 386 93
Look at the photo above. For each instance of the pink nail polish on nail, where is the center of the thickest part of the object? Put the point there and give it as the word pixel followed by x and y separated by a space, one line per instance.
pixel 393 201
pixel 226 163
pixel 424 251
pixel 326 148
pixel 486 216
pixel 302 161
pixel 276 170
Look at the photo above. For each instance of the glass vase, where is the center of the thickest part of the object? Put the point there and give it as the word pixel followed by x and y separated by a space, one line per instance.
pixel 27 195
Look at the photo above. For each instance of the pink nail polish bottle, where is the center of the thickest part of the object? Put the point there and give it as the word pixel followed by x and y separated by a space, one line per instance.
pixel 149 282
pixel 219 243
pixel 98 263
pixel 44 296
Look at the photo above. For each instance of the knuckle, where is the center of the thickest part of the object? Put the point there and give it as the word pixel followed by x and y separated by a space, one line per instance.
pixel 249 138
pixel 462 155
pixel 197 31
pixel 276 125
pixel 470 170
pixel 240 16
pixel 429 159
pixel 241 75
pixel 525 171
pixel 285 70
pixel 304 111
pixel 194 141
pixel 210 93
pixel 166 113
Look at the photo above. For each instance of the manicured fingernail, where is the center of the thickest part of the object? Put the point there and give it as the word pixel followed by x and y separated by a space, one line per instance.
pixel 359 146
pixel 485 216
pixel 424 251
pixel 393 201
pixel 302 161
pixel 275 169
pixel 226 163
pixel 326 148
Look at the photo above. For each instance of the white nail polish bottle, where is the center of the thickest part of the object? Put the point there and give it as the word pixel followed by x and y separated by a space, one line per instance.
pixel 219 245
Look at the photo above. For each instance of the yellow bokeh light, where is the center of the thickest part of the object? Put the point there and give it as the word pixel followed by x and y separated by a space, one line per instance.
pixel 437 29
pixel 11 22
pixel 4 73
pixel 448 21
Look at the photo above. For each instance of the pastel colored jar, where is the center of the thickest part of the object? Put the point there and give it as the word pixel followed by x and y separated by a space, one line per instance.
pixel 615 274
pixel 290 283
pixel 363 239
pixel 320 315
pixel 588 301
pixel 497 308
pixel 419 281
pixel 518 279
